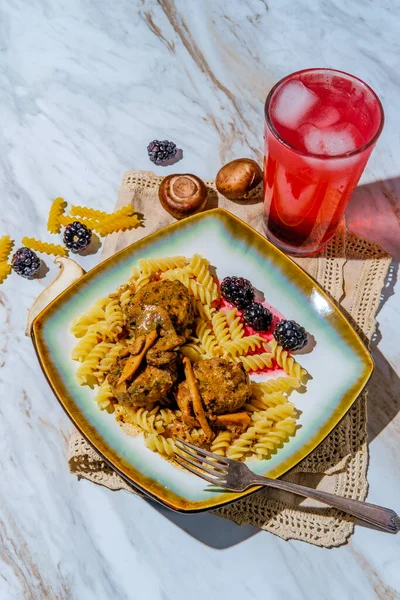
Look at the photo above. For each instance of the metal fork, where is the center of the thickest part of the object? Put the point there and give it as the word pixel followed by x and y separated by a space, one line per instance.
pixel 236 476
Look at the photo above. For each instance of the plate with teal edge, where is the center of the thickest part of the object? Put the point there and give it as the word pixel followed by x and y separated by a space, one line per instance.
pixel 339 365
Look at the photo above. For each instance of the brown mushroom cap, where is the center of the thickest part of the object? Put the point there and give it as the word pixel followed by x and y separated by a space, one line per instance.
pixel 238 177
pixel 182 195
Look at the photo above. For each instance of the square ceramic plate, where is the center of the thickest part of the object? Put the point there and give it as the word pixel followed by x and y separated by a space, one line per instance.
pixel 339 364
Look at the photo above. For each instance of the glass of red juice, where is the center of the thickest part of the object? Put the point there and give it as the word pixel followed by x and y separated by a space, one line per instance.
pixel 321 126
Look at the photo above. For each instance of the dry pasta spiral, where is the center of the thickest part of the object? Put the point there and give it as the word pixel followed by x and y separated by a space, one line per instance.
pixel 5 270
pixel 56 211
pixel 6 245
pixel 39 246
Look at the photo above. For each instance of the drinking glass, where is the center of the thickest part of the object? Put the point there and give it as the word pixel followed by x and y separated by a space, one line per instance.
pixel 321 126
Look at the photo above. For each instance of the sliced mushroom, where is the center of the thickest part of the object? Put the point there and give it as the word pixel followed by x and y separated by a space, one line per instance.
pixel 182 195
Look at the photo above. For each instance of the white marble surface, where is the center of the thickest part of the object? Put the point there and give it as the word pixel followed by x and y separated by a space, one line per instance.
pixel 84 86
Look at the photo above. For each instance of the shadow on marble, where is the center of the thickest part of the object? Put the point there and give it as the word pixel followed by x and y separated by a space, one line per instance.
pixel 209 529
pixel 374 213
pixel 383 397
pixel 93 247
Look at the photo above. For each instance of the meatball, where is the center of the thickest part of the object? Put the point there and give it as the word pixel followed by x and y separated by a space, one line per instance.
pixel 224 386
pixel 172 296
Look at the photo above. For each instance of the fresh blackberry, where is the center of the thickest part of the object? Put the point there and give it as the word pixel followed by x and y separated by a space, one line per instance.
pixel 257 316
pixel 159 152
pixel 77 236
pixel 290 335
pixel 26 263
pixel 238 291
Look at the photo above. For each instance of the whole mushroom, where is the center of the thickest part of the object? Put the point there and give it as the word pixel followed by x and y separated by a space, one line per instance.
pixel 182 195
pixel 238 177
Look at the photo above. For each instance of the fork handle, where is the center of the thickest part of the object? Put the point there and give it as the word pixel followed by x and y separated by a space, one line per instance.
pixel 381 517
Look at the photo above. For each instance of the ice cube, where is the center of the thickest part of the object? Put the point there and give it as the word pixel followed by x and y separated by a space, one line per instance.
pixel 293 104
pixel 331 141
pixel 324 117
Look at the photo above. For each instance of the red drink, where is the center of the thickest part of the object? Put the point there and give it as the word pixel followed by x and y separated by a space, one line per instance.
pixel 321 126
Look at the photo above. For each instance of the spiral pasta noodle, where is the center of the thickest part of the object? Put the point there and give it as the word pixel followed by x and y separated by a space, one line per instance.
pixel 115 223
pixel 90 365
pixel 192 351
pixel 104 396
pixel 207 339
pixel 199 267
pixel 221 328
pixel 96 313
pixel 149 266
pixel 114 318
pixel 6 245
pixel 45 247
pixel 221 443
pixel 243 444
pixel 276 413
pixel 275 437
pixel 86 344
pixel 241 346
pixel 255 362
pixel 125 296
pixel 235 324
pixel 280 384
pixel 177 275
pixel 287 362
pixel 5 270
pixel 56 211
pixel 107 362
pixel 160 444
pixel 90 213
pixel 147 420
pixel 204 311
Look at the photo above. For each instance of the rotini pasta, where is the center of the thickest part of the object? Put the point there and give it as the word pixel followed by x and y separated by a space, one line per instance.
pixel 287 362
pixel 45 247
pixel 275 437
pixel 221 443
pixel 114 318
pixel 241 346
pixel 6 245
pixel 5 270
pixel 113 223
pixel 218 333
pixel 255 362
pixel 56 211
pixel 104 396
pixel 160 444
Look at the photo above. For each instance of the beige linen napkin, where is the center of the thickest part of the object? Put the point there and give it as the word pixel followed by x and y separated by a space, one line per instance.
pixel 352 270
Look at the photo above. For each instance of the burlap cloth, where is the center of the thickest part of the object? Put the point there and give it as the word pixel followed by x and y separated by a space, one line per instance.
pixel 352 270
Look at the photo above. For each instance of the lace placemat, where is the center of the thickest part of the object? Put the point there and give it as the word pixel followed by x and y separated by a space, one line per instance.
pixel 352 270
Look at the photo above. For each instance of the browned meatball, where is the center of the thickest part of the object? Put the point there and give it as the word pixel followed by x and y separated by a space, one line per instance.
pixel 224 386
pixel 173 297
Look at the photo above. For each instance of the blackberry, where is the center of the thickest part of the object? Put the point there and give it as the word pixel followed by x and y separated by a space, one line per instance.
pixel 257 316
pixel 77 236
pixel 26 263
pixel 290 335
pixel 159 152
pixel 238 291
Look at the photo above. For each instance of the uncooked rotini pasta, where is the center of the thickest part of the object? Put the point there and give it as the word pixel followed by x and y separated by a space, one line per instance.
pixel 56 211
pixel 287 362
pixel 6 245
pixel 45 247
pixel 5 270
pixel 89 213
pixel 113 223
pixel 67 220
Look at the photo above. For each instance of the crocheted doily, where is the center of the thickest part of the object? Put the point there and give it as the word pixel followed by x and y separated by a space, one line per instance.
pixel 352 270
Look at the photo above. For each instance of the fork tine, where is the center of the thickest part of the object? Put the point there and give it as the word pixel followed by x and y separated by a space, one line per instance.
pixel 211 480
pixel 201 467
pixel 221 459
pixel 202 459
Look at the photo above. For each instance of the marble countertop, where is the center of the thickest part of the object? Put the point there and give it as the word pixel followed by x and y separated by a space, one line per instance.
pixel 84 87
